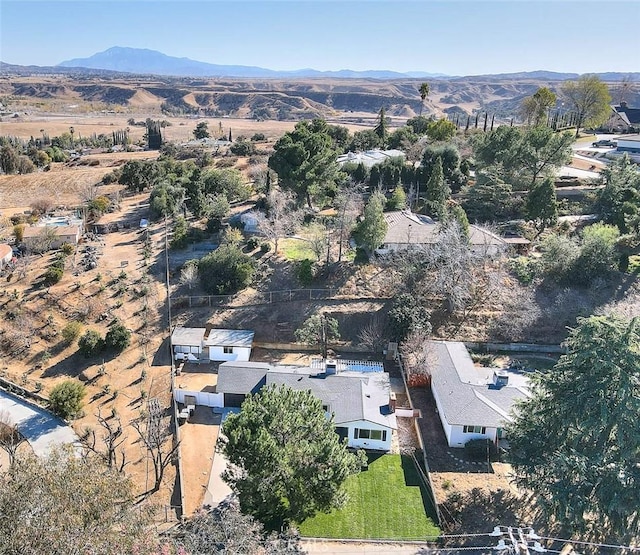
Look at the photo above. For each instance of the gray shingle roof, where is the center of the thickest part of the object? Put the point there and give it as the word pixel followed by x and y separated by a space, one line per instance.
pixel 351 396
pixel 405 227
pixel 463 391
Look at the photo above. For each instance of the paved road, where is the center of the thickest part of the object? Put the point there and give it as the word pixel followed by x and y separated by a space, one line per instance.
pixel 40 428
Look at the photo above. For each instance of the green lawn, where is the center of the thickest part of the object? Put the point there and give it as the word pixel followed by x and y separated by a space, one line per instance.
pixel 386 501
pixel 295 249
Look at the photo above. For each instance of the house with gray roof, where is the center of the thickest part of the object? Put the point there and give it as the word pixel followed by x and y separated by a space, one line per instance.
pixel 406 230
pixel 472 402
pixel 207 344
pixel 361 403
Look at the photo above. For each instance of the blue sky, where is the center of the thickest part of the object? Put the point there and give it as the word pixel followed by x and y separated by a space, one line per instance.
pixel 455 37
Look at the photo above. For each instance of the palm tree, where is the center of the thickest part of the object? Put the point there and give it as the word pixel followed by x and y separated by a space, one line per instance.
pixel 424 92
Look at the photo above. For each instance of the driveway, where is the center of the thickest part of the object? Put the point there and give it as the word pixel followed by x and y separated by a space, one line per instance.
pixel 39 427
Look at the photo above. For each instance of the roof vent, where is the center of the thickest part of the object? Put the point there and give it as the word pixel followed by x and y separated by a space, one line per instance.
pixel 500 378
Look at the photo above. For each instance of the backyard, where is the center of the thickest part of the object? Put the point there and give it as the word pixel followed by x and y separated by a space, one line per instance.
pixel 386 501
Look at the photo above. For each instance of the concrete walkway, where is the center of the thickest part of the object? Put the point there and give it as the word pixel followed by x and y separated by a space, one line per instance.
pixel 39 427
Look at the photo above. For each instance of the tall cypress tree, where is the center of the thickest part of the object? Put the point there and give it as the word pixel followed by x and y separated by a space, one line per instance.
pixel 437 191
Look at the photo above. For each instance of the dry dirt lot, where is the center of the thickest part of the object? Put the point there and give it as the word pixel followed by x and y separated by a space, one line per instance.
pixel 117 385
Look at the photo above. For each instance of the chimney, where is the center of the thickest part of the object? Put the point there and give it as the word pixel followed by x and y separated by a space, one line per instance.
pixel 330 366
pixel 500 378
pixel 623 104
pixel 392 402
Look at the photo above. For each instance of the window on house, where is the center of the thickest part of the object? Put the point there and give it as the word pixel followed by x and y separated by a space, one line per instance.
pixel 378 435
pixel 227 350
pixel 474 430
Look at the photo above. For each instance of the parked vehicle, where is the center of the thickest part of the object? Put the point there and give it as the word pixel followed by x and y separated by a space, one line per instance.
pixel 605 142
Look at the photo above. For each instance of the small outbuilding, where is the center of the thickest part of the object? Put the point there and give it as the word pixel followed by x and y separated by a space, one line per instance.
pixel 211 345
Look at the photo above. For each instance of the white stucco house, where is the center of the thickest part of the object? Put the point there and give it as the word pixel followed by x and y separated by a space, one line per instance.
pixel 369 158
pixel 211 345
pixel 361 402
pixel 472 402
pixel 56 235
pixel 406 230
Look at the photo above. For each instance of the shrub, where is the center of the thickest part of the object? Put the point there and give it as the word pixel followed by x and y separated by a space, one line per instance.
pixel 252 243
pixel 524 269
pixel 91 343
pixel 226 270
pixel 304 272
pixel 71 332
pixel 478 448
pixel 67 248
pixel 65 399
pixel 265 247
pixel 118 337
pixel 361 256
pixel 258 137
pixel 242 148
pixel 53 275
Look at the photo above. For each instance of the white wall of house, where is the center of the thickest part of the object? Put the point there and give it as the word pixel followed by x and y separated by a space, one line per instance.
pixel 224 354
pixel 625 145
pixel 202 397
pixel 445 425
pixel 356 440
pixel 459 437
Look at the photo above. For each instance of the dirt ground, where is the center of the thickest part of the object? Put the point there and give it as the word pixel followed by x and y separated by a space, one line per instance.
pixel 124 287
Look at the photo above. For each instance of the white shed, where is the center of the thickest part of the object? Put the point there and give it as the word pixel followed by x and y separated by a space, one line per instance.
pixel 215 345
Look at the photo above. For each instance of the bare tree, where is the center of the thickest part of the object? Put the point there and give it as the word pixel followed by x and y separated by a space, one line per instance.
pixel 43 241
pixel 282 218
pixel 317 238
pixel 418 357
pixel 112 440
pixel 10 437
pixel 41 205
pixel 156 436
pixel 348 204
pixel 189 274
pixel 372 334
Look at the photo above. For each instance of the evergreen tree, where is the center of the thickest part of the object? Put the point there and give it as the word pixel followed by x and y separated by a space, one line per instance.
pixel 437 191
pixel 381 129
pixel 373 227
pixel 542 205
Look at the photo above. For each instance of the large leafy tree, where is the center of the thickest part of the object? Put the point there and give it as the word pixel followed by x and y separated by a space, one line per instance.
pixel 286 460
pixel 305 161
pixel 65 504
pixel 589 98
pixel 520 156
pixel 619 201
pixel 575 443
pixel 535 108
pixel 226 270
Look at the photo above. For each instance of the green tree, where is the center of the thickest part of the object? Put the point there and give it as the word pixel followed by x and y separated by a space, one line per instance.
pixel 226 270
pixel 91 343
pixel 535 108
pixel 201 131
pixel 398 199
pixel 489 199
pixel 318 329
pixel 583 469
pixel 371 230
pixel 598 253
pixel 305 161
pixel 542 205
pixel 65 398
pixel 118 337
pixel 82 506
pixel 71 332
pixel 456 212
pixel 364 140
pixel 286 461
pixel 441 130
pixel 382 127
pixel 402 138
pixel 8 159
pixel 419 124
pixel 450 160
pixel 424 93
pixel 589 98
pixel 408 315
pixel 619 201
pixel 559 255
pixel 437 191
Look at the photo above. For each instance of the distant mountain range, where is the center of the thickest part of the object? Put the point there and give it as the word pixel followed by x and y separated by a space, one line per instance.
pixel 144 61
